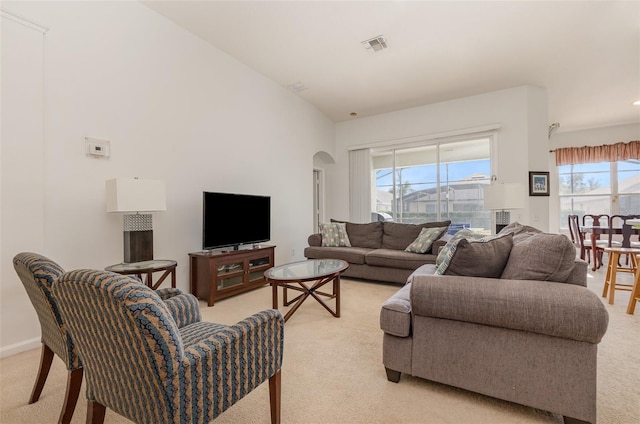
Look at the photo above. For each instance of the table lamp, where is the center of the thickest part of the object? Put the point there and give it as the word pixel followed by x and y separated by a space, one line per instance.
pixel 132 196
pixel 501 198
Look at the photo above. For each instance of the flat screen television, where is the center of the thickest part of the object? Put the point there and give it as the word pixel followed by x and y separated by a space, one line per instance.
pixel 230 219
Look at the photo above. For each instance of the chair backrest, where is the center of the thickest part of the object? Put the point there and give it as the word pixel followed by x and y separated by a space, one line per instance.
pixel 38 275
pixel 595 220
pixel 617 221
pixel 129 343
pixel 574 230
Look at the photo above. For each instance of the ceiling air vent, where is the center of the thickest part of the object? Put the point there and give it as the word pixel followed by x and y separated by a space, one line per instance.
pixel 375 44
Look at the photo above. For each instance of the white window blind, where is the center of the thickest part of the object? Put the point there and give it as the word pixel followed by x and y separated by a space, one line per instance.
pixel 360 185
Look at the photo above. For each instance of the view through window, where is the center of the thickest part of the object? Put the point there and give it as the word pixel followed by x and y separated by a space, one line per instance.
pixel 436 182
pixel 611 188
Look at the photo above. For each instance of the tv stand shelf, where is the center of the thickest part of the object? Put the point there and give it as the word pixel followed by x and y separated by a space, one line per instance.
pixel 217 275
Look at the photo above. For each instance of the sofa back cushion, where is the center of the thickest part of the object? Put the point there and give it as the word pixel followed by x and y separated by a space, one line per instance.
pixel 398 236
pixel 364 235
pixel 486 257
pixel 541 256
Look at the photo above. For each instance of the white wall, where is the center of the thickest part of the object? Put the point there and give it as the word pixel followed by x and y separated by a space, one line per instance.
pixel 521 113
pixel 174 108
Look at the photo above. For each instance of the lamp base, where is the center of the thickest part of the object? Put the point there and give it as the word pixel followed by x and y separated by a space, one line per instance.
pixel 138 238
pixel 503 218
pixel 138 246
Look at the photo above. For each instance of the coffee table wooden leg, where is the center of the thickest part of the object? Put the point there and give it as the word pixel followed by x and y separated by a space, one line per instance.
pixel 336 291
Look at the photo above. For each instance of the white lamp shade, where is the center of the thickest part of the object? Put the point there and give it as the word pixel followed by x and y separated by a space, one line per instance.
pixel 504 196
pixel 135 195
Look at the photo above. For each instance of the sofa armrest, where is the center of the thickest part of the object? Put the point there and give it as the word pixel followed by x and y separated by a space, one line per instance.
pixel 231 363
pixel 315 240
pixel 559 310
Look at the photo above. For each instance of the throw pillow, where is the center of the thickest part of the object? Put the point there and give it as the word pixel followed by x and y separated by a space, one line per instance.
pixel 425 239
pixel 446 253
pixel 334 235
pixel 543 257
pixel 486 257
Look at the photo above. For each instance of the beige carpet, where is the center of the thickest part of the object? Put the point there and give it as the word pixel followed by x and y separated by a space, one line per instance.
pixel 333 372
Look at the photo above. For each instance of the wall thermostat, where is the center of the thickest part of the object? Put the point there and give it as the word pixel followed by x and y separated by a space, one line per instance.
pixel 97 148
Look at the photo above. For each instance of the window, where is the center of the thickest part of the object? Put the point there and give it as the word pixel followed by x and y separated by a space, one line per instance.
pixel 434 182
pixel 599 188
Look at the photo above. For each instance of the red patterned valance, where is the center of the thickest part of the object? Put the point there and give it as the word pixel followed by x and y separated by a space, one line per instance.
pixel 594 154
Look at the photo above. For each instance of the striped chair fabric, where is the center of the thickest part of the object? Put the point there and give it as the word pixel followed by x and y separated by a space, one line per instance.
pixel 140 364
pixel 38 275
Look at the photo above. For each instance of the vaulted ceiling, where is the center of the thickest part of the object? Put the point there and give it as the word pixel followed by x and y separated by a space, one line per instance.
pixel 586 54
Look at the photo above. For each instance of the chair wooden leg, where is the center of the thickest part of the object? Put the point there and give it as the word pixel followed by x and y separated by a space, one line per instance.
pixel 74 382
pixel 274 397
pixel 46 357
pixel 635 291
pixel 95 412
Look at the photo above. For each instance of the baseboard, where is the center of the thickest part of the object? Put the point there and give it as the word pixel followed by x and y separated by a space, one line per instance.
pixel 20 347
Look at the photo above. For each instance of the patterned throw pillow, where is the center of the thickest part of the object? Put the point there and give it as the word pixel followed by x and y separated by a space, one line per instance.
pixel 334 235
pixel 446 253
pixel 425 239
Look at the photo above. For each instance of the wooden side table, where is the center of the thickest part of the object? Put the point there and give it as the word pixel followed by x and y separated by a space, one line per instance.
pixel 168 267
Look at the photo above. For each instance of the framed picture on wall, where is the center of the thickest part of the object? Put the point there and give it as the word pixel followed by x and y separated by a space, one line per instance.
pixel 538 183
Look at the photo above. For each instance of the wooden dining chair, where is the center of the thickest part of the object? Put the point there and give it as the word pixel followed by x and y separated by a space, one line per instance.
pixel 585 245
pixel 595 220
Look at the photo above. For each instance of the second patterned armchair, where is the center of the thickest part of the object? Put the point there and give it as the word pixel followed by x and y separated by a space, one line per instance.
pixel 141 365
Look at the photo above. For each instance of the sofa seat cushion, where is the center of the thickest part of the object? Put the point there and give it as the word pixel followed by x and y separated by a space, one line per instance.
pixel 395 315
pixel 353 255
pixel 398 258
pixel 398 236
pixel 559 310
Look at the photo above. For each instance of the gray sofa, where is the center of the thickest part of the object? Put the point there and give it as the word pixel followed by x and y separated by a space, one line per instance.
pixel 530 337
pixel 377 250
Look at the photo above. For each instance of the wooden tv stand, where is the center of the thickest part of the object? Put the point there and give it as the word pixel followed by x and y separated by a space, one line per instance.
pixel 217 275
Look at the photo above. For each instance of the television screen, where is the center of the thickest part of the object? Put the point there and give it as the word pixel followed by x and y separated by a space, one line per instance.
pixel 230 219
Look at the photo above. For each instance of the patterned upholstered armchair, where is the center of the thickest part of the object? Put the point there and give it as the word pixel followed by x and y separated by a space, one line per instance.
pixel 142 366
pixel 38 275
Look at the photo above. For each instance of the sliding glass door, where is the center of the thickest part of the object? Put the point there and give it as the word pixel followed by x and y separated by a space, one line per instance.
pixel 434 182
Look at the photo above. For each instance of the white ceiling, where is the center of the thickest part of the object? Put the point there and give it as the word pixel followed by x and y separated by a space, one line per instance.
pixel 586 54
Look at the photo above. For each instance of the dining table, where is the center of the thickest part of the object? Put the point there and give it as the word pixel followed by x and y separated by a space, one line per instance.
pixel 595 231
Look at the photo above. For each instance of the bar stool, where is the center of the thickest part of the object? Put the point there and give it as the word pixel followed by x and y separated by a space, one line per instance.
pixel 613 268
pixel 635 291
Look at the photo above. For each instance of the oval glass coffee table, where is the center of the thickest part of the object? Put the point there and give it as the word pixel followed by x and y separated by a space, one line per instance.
pixel 307 277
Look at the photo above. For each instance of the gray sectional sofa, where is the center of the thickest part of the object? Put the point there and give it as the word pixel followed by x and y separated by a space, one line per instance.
pixel 377 250
pixel 529 336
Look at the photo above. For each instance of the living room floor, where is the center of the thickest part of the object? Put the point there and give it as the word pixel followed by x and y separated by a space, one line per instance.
pixel 333 373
